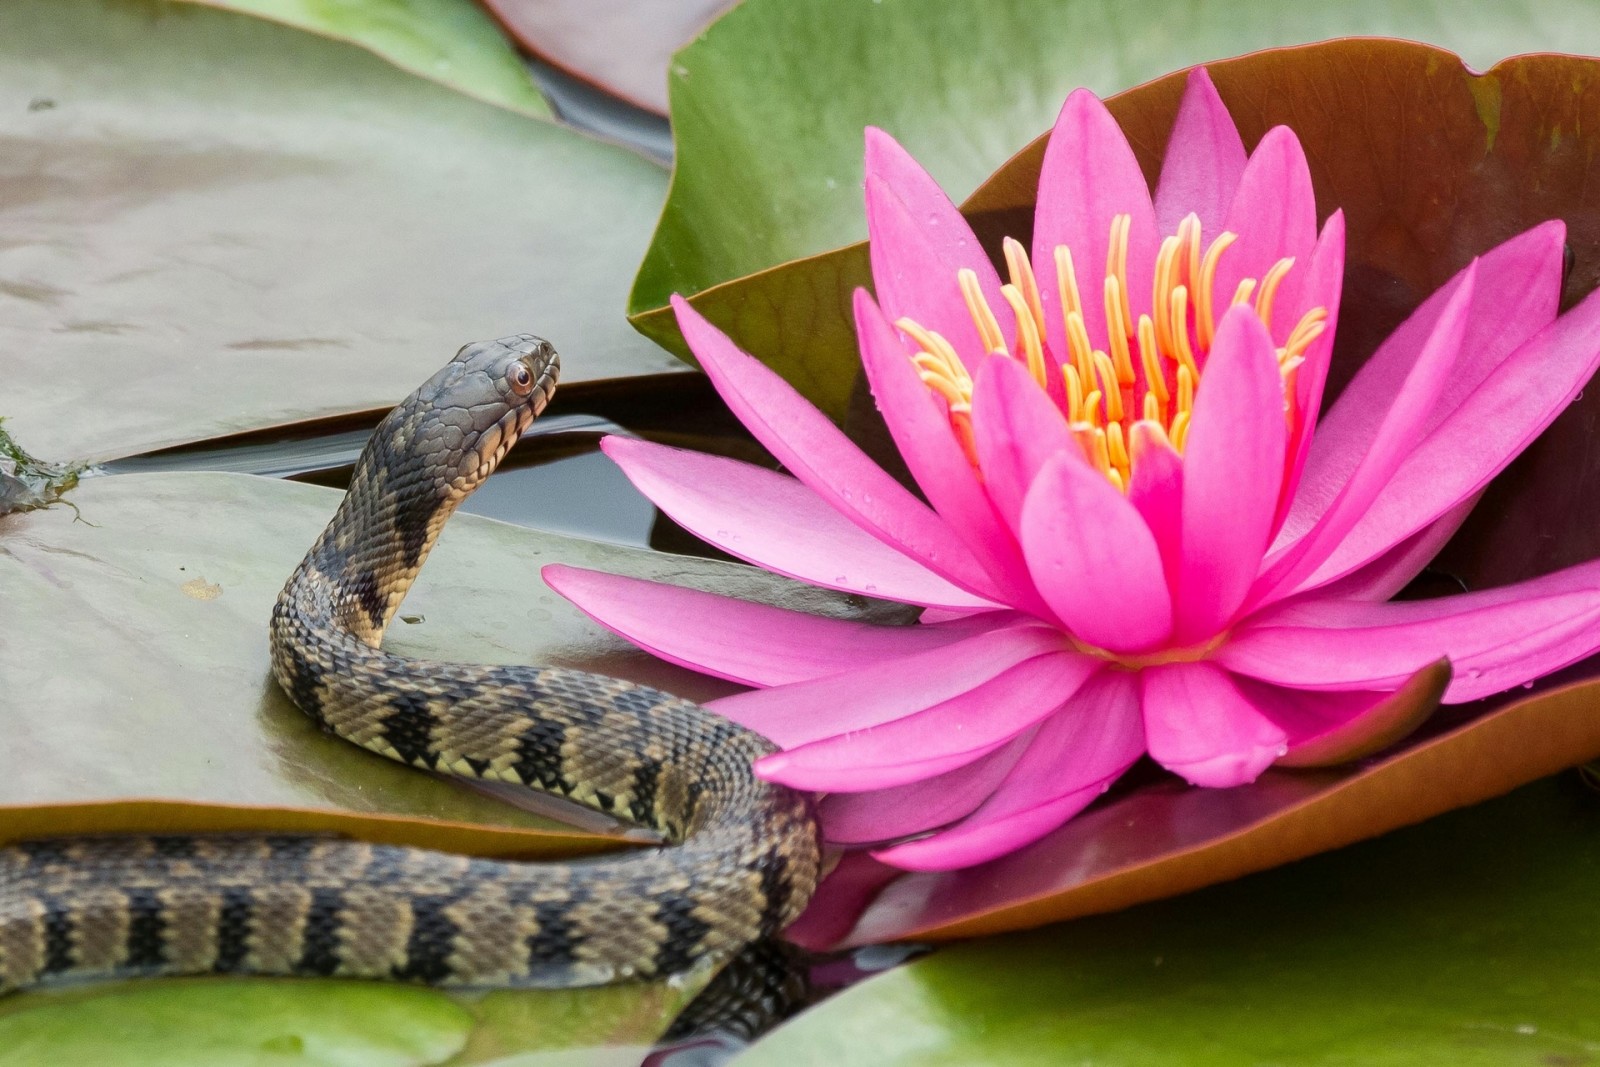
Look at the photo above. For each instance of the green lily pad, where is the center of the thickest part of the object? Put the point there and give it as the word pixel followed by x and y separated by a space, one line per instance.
pixel 769 139
pixel 210 223
pixel 1469 941
pixel 134 679
pixel 288 1023
pixel 452 42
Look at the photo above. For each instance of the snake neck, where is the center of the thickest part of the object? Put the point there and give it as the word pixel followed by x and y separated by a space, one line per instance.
pixel 365 561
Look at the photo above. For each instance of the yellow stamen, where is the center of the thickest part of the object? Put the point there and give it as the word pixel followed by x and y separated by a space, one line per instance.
pixel 1166 278
pixel 1180 431
pixel 1205 323
pixel 1074 388
pixel 1269 289
pixel 982 316
pixel 1185 403
pixel 1027 333
pixel 1107 375
pixel 1078 346
pixel 1180 314
pixel 1119 331
pixel 1021 271
pixel 1117 450
pixel 1091 406
pixel 1119 403
pixel 1067 282
pixel 1117 267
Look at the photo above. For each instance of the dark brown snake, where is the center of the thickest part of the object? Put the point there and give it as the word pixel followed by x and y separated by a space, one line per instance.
pixel 741 856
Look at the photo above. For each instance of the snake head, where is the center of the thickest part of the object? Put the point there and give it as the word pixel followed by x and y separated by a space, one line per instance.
pixel 467 416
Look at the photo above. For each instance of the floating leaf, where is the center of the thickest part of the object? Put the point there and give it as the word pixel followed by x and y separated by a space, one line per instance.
pixel 210 223
pixel 452 42
pixel 1470 941
pixel 27 482
pixel 134 682
pixel 219 1022
pixel 769 139
pixel 622 46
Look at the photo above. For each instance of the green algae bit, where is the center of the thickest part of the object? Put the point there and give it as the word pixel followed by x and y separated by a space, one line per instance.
pixel 27 483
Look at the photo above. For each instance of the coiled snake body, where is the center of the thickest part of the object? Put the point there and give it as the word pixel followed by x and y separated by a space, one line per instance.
pixel 741 859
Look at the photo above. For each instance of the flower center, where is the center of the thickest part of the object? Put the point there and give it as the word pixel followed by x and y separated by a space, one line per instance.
pixel 1147 374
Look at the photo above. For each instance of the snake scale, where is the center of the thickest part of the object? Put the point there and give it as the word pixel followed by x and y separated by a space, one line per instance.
pixel 740 859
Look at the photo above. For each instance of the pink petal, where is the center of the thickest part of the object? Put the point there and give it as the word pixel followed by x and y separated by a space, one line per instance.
pixel 1232 473
pixel 1156 492
pixel 1017 430
pixel 920 425
pixel 1204 160
pixel 1394 570
pixel 814 450
pixel 1413 405
pixel 886 814
pixel 1326 729
pixel 1322 285
pixel 918 243
pixel 1519 284
pixel 1378 646
pixel 1093 558
pixel 773 521
pixel 1274 212
pixel 753 644
pixel 1200 725
pixel 1479 439
pixel 869 696
pixel 943 737
pixel 1075 755
pixel 1090 175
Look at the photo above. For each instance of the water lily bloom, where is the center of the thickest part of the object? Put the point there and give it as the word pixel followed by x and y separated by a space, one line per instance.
pixel 1139 534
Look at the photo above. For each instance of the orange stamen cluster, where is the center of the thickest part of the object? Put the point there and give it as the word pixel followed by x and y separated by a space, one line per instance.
pixel 1147 374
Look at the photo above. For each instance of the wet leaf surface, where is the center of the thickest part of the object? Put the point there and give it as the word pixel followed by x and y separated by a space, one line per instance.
pixel 1470 941
pixel 134 684
pixel 26 482
pixel 218 1022
pixel 453 42
pixel 210 223
pixel 622 46
pixel 1450 164
pixel 769 138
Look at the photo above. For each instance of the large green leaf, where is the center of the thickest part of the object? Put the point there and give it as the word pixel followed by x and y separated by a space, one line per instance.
pixel 284 1023
pixel 211 223
pixel 452 42
pixel 134 683
pixel 1468 941
pixel 769 138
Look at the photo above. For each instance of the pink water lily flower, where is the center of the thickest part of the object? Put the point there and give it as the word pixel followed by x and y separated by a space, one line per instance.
pixel 1138 536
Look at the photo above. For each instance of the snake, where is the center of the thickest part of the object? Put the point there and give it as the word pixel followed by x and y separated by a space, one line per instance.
pixel 738 858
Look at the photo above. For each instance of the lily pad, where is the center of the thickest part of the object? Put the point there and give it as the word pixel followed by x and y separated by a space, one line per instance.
pixel 210 223
pixel 134 679
pixel 622 46
pixel 1470 941
pixel 266 1023
pixel 1451 163
pixel 769 138
pixel 452 42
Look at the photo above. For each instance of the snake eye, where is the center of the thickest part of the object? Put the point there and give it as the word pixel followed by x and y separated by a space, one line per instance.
pixel 521 379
